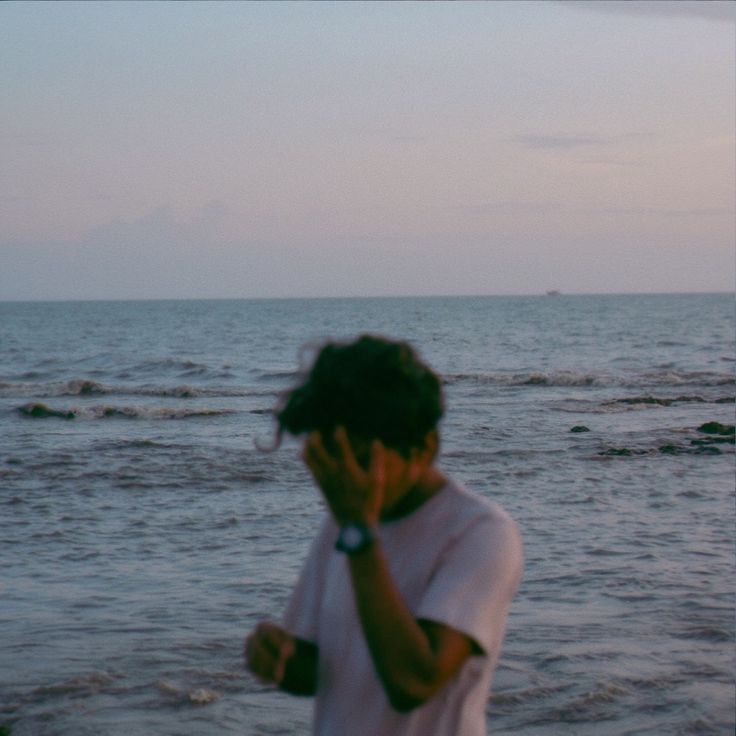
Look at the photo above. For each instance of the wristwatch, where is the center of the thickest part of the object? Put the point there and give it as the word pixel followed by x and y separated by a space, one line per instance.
pixel 354 537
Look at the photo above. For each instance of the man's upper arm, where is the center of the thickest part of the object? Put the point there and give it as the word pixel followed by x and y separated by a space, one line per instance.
pixel 472 589
pixel 450 647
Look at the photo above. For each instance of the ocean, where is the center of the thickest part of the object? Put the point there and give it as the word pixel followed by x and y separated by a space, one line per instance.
pixel 144 534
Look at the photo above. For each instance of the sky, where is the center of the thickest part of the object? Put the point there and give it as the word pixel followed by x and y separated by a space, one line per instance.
pixel 317 149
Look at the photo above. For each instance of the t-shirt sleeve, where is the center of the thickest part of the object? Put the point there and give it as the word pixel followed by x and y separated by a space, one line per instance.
pixel 475 580
pixel 301 617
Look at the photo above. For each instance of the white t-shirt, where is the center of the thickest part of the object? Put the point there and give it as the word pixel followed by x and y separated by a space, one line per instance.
pixel 456 560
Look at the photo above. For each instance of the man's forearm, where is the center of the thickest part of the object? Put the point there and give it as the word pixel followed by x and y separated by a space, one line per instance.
pixel 406 661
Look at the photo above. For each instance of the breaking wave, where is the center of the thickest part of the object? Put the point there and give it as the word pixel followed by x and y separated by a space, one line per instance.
pixel 86 387
pixel 43 411
pixel 564 378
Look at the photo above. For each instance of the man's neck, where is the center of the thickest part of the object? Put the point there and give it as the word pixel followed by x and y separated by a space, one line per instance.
pixel 430 484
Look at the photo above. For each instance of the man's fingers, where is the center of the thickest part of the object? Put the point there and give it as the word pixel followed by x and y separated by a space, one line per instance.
pixel 378 463
pixel 346 451
pixel 316 456
pixel 267 651
pixel 322 463
pixel 286 651
pixel 257 652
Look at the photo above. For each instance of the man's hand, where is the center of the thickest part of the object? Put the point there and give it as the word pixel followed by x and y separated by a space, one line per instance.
pixel 274 656
pixel 353 493
pixel 267 651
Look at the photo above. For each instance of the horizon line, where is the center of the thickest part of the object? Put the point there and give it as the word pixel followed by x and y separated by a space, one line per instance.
pixel 548 294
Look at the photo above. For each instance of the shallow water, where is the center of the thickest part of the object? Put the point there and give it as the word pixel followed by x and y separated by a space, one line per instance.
pixel 144 535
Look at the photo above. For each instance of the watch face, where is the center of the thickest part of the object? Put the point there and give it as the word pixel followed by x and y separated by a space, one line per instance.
pixel 352 537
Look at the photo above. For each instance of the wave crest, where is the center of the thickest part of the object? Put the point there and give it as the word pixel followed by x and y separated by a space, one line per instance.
pixel 38 410
pixel 572 378
pixel 86 387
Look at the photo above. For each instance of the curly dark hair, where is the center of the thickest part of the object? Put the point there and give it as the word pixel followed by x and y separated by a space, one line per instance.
pixel 375 387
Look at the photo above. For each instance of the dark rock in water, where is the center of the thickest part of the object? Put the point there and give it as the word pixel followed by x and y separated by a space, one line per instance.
pixel 717 440
pixel 726 400
pixel 708 450
pixel 644 400
pixel 717 428
pixel 699 447
pixel 580 428
pixel 716 434
pixel 89 387
pixel 84 387
pixel 112 411
pixel 654 401
pixel 622 452
pixel 41 411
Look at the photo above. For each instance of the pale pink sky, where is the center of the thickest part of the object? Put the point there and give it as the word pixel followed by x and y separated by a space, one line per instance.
pixel 320 149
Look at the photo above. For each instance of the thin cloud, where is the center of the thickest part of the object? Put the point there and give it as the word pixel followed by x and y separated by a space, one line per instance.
pixel 560 141
pixel 25 140
pixel 661 211
pixel 506 205
pixel 623 163
pixel 714 10
pixel 410 139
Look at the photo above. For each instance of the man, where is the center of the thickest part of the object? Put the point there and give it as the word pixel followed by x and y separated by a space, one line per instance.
pixel 397 620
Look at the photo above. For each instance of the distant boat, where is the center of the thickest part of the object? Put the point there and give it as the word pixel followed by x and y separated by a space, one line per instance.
pixel 553 292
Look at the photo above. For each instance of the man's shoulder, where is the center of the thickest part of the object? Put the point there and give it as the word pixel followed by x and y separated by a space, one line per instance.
pixel 472 505
pixel 470 513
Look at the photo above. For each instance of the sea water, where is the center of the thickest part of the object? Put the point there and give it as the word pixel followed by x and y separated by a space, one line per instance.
pixel 143 534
